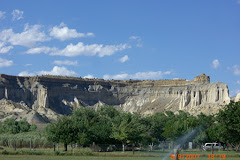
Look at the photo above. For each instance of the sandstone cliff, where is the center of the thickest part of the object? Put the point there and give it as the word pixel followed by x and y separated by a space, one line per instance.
pixel 43 98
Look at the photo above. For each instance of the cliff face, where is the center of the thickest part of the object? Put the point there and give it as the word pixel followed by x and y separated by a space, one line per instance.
pixel 44 98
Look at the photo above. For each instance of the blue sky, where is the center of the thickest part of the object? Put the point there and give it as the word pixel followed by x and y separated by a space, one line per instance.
pixel 137 39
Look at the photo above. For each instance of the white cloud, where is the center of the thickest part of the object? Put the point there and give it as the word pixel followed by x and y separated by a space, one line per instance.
pixel 17 14
pixel 124 59
pixel 5 63
pixel 62 32
pixel 43 49
pixel 3 48
pixel 28 37
pixel 25 73
pixel 61 71
pixel 167 72
pixel 139 75
pixel 117 76
pixel 89 76
pixel 215 63
pixel 137 40
pixel 90 50
pixel 134 37
pixel 236 70
pixel 66 62
pixel 2 14
pixel 238 82
pixel 26 65
pixel 58 71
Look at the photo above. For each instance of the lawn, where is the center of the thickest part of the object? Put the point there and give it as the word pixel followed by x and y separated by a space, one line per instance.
pixel 46 157
pixel 86 154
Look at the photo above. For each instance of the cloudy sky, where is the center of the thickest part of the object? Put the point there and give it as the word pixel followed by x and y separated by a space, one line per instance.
pixel 147 39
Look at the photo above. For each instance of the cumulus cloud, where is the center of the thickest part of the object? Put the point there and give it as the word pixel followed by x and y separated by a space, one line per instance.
pixel 89 76
pixel 236 70
pixel 27 38
pixel 25 73
pixel 215 63
pixel 137 40
pixel 90 50
pixel 62 32
pixel 4 48
pixel 139 75
pixel 66 62
pixel 60 71
pixel 124 59
pixel 42 49
pixel 17 14
pixel 2 14
pixel 5 63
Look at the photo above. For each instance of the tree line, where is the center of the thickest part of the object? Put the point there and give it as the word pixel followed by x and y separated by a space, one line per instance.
pixel 107 125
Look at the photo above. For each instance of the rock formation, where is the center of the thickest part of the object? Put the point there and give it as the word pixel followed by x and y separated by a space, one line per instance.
pixel 43 98
pixel 237 98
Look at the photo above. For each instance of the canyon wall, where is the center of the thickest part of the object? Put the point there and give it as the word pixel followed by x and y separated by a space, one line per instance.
pixel 42 99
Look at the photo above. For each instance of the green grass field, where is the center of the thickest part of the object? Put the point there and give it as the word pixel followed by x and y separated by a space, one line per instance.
pixel 87 154
pixel 45 157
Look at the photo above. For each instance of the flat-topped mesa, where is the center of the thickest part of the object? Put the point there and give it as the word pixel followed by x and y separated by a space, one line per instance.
pixel 202 78
pixel 51 96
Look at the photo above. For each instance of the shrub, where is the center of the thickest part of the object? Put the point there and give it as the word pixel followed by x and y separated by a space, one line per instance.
pixel 57 153
pixel 5 152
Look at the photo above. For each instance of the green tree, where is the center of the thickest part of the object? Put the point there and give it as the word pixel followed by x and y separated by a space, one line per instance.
pixel 52 134
pixel 11 126
pixel 157 124
pixel 24 126
pixel 127 128
pixel 84 122
pixel 62 131
pixel 207 129
pixel 229 122
pixel 180 125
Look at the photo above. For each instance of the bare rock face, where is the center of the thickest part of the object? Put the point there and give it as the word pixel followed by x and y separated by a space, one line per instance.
pixel 202 78
pixel 237 98
pixel 42 99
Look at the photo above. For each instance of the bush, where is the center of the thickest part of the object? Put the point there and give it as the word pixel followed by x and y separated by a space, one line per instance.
pixel 32 153
pixel 5 152
pixel 57 153
pixel 84 152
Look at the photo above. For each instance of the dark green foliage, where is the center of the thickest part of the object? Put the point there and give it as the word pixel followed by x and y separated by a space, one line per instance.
pixel 207 129
pixel 157 124
pixel 106 125
pixel 229 123
pixel 64 131
pixel 179 125
pixel 128 128
pixel 4 152
pixel 12 126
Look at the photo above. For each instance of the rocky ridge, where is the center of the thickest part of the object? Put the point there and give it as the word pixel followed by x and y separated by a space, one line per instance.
pixel 42 99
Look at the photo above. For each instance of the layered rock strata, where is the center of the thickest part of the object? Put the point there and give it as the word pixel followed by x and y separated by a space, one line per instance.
pixel 43 98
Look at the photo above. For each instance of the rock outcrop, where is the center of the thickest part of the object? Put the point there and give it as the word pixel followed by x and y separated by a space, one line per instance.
pixel 237 98
pixel 43 98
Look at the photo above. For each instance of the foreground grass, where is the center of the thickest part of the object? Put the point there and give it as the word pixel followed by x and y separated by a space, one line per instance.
pixel 87 154
pixel 46 157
